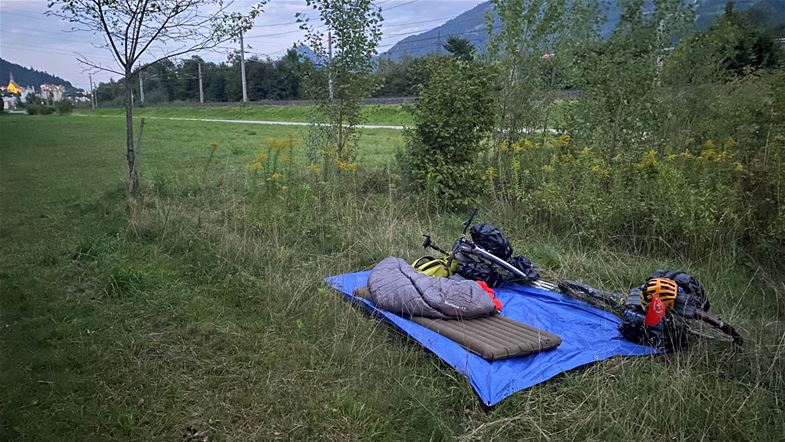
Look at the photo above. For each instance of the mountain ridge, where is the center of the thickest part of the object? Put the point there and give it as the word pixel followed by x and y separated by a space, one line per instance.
pixel 472 26
pixel 25 77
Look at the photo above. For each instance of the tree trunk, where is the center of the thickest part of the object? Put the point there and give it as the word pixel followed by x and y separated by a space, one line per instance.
pixel 133 178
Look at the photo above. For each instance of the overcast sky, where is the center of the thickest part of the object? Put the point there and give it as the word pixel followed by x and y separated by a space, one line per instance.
pixel 32 39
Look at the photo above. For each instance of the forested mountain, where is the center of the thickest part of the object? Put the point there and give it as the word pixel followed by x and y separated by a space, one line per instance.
pixel 28 76
pixel 471 25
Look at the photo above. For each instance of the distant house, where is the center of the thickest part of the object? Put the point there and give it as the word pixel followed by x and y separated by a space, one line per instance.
pixel 52 91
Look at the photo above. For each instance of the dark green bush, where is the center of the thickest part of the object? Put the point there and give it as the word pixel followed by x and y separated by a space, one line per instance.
pixel 64 107
pixel 453 118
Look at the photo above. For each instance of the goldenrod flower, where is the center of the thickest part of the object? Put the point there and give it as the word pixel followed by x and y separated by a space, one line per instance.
pixel 261 156
pixel 648 160
pixel 280 143
pixel 276 176
pixel 346 166
pixel 313 169
pixel 257 166
pixel 739 167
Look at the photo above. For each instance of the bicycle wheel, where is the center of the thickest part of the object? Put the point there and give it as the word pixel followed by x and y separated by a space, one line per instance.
pixel 707 330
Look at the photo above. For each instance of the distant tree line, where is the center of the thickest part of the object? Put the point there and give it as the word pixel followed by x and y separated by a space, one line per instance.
pixel 754 46
pixel 168 81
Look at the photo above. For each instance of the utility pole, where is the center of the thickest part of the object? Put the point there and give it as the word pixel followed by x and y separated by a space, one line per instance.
pixel 330 63
pixel 242 68
pixel 92 91
pixel 201 91
pixel 141 91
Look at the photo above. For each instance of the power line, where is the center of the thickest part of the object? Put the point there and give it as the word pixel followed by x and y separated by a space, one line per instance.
pixel 399 5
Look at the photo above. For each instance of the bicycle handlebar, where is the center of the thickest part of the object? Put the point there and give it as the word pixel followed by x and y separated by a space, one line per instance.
pixel 468 222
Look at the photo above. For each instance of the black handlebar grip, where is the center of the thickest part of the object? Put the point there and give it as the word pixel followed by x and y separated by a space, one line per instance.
pixel 469 220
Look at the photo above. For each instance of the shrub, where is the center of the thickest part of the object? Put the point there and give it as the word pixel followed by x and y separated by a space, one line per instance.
pixel 453 117
pixel 64 107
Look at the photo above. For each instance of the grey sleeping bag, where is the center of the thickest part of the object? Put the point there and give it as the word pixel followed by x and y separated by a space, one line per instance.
pixel 397 287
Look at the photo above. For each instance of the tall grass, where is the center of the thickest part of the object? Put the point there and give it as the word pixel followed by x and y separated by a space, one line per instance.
pixel 201 307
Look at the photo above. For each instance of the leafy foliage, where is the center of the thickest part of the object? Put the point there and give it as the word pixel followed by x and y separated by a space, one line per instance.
pixel 343 77
pixel 64 107
pixel 662 146
pixel 459 48
pixel 453 118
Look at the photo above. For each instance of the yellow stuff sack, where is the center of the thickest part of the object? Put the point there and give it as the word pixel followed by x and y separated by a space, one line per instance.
pixel 434 266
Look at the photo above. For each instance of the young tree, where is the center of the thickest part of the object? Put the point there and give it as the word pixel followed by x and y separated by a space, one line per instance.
pixel 138 33
pixel 459 48
pixel 342 77
pixel 523 49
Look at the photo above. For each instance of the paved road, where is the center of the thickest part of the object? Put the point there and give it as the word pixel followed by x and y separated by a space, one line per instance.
pixel 218 120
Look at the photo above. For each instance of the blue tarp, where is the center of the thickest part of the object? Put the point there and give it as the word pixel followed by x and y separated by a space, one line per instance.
pixel 588 334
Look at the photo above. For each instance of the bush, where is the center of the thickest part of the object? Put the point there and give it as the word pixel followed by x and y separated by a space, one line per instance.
pixel 453 117
pixel 64 107
pixel 40 109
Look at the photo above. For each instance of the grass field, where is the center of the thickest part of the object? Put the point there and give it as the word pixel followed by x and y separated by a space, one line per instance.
pixel 200 307
pixel 388 114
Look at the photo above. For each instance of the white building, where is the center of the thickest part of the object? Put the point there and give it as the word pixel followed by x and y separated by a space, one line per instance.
pixel 52 91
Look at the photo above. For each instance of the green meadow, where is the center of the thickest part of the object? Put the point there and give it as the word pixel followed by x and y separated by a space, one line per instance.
pixel 198 310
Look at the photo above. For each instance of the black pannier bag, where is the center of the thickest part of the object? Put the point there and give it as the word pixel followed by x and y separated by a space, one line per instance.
pixel 491 239
pixel 480 271
pixel 523 264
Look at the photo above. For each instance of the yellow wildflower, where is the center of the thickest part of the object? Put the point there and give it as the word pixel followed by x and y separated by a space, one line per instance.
pixel 687 154
pixel 528 144
pixel 648 160
pixel 313 169
pixel 515 165
pixel 547 168
pixel 503 145
pixel 276 176
pixel 708 153
pixel 739 167
pixel 261 157
pixel 729 143
pixel 255 167
pixel 563 140
pixel 517 148
pixel 585 152
pixel 280 143
pixel 671 157
pixel 346 166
